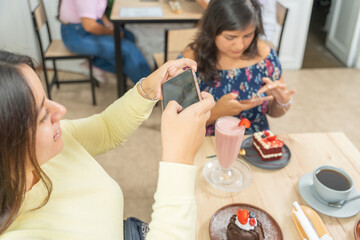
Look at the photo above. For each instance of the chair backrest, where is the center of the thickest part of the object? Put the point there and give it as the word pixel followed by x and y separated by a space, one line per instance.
pixel 39 20
pixel 281 15
pixel 176 41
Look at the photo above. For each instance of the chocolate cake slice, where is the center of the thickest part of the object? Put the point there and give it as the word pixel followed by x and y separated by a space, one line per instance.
pixel 237 231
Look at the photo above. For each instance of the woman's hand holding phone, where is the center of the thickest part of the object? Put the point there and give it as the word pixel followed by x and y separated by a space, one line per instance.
pixel 183 88
pixel 184 132
pixel 152 84
pixel 228 105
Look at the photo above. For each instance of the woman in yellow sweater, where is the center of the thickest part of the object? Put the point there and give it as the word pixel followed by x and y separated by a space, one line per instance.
pixel 51 187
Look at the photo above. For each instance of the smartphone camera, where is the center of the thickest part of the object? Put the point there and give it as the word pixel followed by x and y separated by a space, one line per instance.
pixel 183 88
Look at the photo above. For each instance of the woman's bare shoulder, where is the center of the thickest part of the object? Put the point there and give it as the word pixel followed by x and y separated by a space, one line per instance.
pixel 188 53
pixel 264 49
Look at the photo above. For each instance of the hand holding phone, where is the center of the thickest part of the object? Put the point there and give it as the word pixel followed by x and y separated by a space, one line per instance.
pixel 182 133
pixel 183 88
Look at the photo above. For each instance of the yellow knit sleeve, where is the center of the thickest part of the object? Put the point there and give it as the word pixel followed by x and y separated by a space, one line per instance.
pixel 102 132
pixel 174 210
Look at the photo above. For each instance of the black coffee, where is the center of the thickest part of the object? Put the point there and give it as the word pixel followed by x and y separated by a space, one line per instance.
pixel 333 179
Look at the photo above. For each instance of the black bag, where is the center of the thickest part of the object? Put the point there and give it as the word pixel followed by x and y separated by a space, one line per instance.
pixel 135 229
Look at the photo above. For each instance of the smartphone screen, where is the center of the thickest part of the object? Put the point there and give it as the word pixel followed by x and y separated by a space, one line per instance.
pixel 183 88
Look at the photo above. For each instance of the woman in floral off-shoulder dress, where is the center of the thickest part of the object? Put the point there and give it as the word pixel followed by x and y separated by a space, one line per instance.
pixel 241 71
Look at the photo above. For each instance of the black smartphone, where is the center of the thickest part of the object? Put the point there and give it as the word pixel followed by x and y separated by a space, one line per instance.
pixel 183 88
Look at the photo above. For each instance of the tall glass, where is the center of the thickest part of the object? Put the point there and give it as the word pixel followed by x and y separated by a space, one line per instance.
pixel 224 172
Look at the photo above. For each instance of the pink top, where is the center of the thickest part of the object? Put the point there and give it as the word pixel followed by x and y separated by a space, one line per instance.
pixel 72 10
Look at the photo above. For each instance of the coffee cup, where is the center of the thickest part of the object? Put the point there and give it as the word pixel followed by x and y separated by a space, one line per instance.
pixel 332 184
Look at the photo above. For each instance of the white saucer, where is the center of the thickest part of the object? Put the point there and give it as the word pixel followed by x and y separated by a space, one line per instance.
pixel 307 193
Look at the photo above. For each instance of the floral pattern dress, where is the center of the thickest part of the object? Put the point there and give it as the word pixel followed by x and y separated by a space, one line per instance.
pixel 245 82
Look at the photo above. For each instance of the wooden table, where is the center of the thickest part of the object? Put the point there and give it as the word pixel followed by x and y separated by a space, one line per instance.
pixel 276 190
pixel 191 14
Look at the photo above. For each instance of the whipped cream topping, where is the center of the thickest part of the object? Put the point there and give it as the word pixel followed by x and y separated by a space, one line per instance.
pixel 264 141
pixel 246 226
pixel 258 137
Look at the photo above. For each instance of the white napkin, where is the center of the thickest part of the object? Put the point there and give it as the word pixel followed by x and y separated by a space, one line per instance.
pixel 141 12
pixel 326 237
pixel 305 223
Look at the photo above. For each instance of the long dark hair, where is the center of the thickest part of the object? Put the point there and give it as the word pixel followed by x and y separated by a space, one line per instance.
pixel 224 15
pixel 18 124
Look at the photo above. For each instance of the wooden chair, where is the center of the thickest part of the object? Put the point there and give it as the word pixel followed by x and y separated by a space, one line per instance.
pixel 56 50
pixel 175 41
pixel 281 15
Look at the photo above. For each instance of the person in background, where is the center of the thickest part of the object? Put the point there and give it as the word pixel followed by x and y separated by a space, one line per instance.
pixel 242 72
pixel 268 15
pixel 85 29
pixel 51 185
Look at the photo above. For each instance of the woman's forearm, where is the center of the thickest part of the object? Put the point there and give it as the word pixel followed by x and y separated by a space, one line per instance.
pixel 107 23
pixel 277 110
pixel 92 26
pixel 214 115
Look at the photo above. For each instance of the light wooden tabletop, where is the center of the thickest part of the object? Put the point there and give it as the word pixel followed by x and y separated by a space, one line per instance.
pixel 191 10
pixel 275 190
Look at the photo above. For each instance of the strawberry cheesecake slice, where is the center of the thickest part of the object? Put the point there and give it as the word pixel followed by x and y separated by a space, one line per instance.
pixel 267 145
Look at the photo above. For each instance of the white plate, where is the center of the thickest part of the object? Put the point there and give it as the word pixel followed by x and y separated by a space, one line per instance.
pixel 309 195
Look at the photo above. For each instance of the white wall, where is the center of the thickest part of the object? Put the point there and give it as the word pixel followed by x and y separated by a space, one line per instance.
pixel 295 33
pixel 17 32
pixel 343 36
pixel 357 61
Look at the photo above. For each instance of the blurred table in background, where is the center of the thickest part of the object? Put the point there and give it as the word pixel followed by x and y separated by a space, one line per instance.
pixel 191 13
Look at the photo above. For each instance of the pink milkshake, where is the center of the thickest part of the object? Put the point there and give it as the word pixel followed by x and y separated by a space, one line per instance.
pixel 228 139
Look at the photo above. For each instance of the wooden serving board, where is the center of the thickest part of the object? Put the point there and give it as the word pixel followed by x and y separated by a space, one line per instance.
pixel 315 220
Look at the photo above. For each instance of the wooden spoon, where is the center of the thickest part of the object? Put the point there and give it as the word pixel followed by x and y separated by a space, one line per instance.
pixel 315 221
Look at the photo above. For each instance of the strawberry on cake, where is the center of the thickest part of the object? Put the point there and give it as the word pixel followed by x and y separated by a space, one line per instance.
pixel 267 145
pixel 244 226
